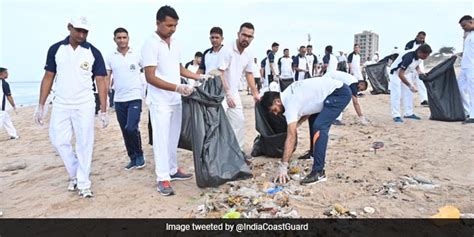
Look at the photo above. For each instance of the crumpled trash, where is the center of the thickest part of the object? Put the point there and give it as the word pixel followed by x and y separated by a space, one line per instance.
pixel 447 212
pixel 340 208
pixel 272 191
pixel 232 214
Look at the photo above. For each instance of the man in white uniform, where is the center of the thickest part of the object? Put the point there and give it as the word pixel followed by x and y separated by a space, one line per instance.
pixel 124 64
pixel 413 76
pixel 271 69
pixel 284 66
pixel 353 61
pixel 323 98
pixel 70 64
pixel 329 61
pixel 312 61
pixel 237 61
pixel 211 56
pixel 400 86
pixel 300 65
pixel 161 61
pixel 5 120
pixel 466 78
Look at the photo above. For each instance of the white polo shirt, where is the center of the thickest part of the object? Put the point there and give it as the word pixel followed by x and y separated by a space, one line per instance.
pixel 286 68
pixel 74 69
pixel 126 75
pixel 408 61
pixel 467 61
pixel 268 64
pixel 311 59
pixel 300 62
pixel 155 52
pixel 307 97
pixel 234 64
pixel 210 60
pixel 354 61
pixel 331 61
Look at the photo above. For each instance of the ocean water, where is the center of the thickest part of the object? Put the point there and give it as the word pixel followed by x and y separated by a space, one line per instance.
pixel 25 92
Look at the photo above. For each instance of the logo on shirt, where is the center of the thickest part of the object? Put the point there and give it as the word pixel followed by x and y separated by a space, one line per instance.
pixel 85 66
pixel 133 67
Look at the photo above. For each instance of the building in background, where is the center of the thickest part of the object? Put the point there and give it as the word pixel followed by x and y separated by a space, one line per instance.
pixel 369 44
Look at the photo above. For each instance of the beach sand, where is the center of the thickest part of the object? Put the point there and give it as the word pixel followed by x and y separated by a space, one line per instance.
pixel 439 151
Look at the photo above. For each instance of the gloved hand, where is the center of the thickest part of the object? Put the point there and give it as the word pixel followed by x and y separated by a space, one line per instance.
pixel 16 111
pixel 104 119
pixel 184 90
pixel 363 120
pixel 205 77
pixel 230 100
pixel 413 88
pixel 282 172
pixel 39 115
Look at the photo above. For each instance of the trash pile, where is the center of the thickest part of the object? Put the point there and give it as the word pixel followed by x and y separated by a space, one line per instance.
pixel 392 188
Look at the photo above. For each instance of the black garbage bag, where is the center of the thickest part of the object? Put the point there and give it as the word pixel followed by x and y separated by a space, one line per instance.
pixel 284 83
pixel 378 77
pixel 272 129
pixel 444 98
pixel 207 132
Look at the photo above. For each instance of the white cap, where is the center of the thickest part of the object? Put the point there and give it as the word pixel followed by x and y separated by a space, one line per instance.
pixel 80 22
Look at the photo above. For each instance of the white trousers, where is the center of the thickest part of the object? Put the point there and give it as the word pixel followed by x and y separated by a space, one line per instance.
pixel 236 118
pixel 398 91
pixel 6 122
pixel 80 121
pixel 166 124
pixel 413 77
pixel 466 87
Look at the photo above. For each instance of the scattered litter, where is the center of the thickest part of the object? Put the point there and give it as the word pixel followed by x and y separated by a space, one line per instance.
pixel 377 145
pixel 232 214
pixel 369 210
pixel 447 212
pixel 340 209
pixel 272 191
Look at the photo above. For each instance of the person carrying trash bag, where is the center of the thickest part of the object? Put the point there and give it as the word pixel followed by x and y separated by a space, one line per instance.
pixel 207 132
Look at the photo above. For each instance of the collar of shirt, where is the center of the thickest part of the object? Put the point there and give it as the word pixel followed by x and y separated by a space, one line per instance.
pixel 84 44
pixel 162 40
pixel 128 51
pixel 212 49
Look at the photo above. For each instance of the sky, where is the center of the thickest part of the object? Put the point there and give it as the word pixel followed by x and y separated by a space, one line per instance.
pixel 29 27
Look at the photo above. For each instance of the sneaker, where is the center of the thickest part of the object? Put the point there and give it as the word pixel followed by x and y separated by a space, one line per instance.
pixel 164 188
pixel 468 120
pixel 180 175
pixel 140 162
pixel 72 185
pixel 424 103
pixel 131 165
pixel 86 193
pixel 337 122
pixel 14 137
pixel 413 116
pixel 306 156
pixel 313 178
pixel 397 120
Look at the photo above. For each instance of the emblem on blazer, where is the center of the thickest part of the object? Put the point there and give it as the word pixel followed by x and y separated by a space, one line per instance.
pixel 132 67
pixel 85 66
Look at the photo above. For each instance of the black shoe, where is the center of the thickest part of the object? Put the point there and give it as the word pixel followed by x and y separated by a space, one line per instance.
pixel 338 123
pixel 307 156
pixel 131 165
pixel 140 162
pixel 424 103
pixel 313 178
pixel 468 120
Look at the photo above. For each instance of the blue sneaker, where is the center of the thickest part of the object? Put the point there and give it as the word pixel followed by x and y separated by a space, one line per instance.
pixel 140 162
pixel 131 165
pixel 164 188
pixel 397 120
pixel 413 116
pixel 180 175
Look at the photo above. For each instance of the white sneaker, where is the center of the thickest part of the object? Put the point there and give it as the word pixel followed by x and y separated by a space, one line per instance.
pixel 86 193
pixel 72 185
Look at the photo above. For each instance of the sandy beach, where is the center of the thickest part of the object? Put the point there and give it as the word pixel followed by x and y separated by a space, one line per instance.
pixel 440 152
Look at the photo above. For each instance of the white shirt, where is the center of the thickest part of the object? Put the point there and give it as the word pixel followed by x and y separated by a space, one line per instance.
pixel 74 69
pixel 235 65
pixel 268 64
pixel 256 70
pixel 126 75
pixel 311 60
pixel 467 61
pixel 355 64
pixel 286 68
pixel 307 97
pixel 343 77
pixel 332 63
pixel 407 61
pixel 303 65
pixel 210 61
pixel 155 52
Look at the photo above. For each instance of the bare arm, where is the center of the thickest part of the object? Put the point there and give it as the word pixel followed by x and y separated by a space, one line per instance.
pixel 188 74
pixel 290 142
pixel 102 87
pixel 355 102
pixel 46 85
pixel 12 102
pixel 302 119
pixel 158 82
pixel 401 75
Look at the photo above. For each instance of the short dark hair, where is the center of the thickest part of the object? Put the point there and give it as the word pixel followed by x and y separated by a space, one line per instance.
pixel 120 30
pixel 165 11
pixel 216 30
pixel 309 46
pixel 268 51
pixel 364 82
pixel 285 50
pixel 198 54
pixel 302 46
pixel 329 49
pixel 247 25
pixel 268 98
pixel 421 33
pixel 275 44
pixel 356 45
pixel 465 18
pixel 425 48
pixel 2 69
